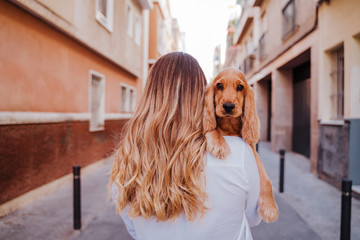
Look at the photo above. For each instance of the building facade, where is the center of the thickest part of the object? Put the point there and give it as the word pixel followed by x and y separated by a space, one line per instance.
pixel 339 97
pixel 276 48
pixel 164 34
pixel 72 72
pixel 302 58
pixel 216 60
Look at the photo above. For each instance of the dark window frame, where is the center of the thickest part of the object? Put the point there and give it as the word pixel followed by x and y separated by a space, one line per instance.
pixel 289 20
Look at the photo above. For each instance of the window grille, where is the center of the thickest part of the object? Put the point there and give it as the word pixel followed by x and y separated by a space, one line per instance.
pixel 337 83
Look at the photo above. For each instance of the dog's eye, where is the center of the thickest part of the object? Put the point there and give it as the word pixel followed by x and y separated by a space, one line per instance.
pixel 219 86
pixel 240 87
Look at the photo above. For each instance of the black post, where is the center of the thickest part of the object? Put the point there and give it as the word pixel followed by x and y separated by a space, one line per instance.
pixel 282 162
pixel 345 224
pixel 77 205
pixel 257 147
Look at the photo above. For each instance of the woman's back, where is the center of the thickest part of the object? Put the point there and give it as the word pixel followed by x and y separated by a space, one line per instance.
pixel 232 186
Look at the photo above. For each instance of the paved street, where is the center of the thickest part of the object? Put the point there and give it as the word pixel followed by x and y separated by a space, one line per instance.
pixel 314 200
pixel 51 217
pixel 309 208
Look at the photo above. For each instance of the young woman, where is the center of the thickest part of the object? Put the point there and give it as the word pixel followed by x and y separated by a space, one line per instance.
pixel 164 183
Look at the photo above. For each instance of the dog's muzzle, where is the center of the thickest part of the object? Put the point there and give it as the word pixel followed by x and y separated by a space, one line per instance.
pixel 228 107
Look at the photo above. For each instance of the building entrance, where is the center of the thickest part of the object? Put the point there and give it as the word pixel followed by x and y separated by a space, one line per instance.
pixel 301 109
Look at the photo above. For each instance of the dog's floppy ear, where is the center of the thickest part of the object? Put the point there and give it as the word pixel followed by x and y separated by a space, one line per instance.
pixel 209 119
pixel 250 121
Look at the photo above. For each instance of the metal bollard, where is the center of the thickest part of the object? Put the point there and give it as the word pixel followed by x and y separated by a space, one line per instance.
pixel 257 147
pixel 282 163
pixel 345 225
pixel 77 203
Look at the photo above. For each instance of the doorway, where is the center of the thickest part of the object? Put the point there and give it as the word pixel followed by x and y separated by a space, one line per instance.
pixel 301 109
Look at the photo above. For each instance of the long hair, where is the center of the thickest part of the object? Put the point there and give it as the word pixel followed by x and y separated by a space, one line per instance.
pixel 158 166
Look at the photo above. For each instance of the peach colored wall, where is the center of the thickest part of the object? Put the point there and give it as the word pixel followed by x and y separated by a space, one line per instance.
pixel 344 19
pixel 261 93
pixel 282 109
pixel 155 15
pixel 78 19
pixel 44 71
pixel 305 19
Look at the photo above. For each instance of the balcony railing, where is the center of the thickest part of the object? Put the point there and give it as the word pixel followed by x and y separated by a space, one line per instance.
pixel 248 64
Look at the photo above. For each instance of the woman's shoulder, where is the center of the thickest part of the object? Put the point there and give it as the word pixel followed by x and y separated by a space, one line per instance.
pixel 237 146
pixel 234 140
pixel 237 143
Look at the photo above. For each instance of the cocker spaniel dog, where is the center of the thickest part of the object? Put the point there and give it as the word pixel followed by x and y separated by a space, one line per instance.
pixel 230 110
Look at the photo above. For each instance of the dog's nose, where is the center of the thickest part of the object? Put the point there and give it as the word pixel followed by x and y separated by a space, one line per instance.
pixel 228 107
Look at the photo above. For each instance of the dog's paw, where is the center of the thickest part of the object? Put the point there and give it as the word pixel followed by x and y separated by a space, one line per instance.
pixel 219 151
pixel 268 209
pixel 216 145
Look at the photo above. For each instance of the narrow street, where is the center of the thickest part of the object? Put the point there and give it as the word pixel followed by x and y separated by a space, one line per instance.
pixel 309 208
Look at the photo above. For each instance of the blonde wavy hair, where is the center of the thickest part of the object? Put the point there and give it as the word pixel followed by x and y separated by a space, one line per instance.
pixel 158 166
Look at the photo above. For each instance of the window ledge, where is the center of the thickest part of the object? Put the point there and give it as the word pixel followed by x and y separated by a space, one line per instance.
pixel 332 122
pixel 96 129
pixel 105 23
pixel 290 33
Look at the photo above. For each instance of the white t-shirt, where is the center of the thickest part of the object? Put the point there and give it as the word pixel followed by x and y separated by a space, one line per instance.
pixel 233 189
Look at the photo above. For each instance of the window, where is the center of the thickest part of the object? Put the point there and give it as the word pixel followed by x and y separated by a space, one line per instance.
pixel 262 41
pixel 97 101
pixel 337 83
pixel 161 36
pixel 288 13
pixel 128 98
pixel 248 64
pixel 262 47
pixel 250 44
pixel 104 13
pixel 137 29
pixel 129 19
pixel 132 99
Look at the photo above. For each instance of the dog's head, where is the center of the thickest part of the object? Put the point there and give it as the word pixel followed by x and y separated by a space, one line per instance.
pixel 229 95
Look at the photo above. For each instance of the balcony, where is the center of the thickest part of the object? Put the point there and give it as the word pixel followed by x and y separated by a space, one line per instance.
pixel 247 17
pixel 248 64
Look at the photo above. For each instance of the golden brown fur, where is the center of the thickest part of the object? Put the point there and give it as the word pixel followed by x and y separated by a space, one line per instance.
pixel 230 110
pixel 158 166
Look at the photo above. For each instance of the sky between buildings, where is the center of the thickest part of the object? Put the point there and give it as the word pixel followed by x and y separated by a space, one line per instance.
pixel 204 23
